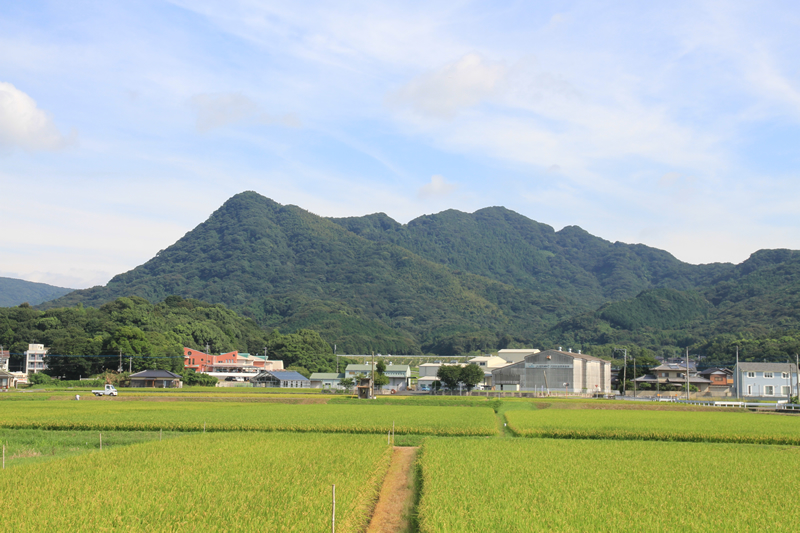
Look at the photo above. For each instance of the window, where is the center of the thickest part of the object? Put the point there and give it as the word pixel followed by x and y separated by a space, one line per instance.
pixel 751 374
pixel 769 390
pixel 767 375
pixel 786 390
pixel 784 375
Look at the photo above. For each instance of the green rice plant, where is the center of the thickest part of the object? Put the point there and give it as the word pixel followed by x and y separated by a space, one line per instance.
pixel 523 485
pixel 239 416
pixel 27 446
pixel 202 482
pixel 701 426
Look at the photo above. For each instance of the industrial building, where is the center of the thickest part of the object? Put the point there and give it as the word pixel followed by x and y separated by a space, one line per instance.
pixel 555 370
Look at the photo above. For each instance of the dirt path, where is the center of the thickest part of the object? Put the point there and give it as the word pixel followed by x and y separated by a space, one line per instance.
pixel 396 501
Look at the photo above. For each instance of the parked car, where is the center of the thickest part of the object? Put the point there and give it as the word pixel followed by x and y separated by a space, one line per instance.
pixel 109 390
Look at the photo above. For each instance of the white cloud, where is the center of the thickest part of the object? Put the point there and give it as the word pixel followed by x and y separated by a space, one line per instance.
pixel 455 86
pixel 223 109
pixel 24 125
pixel 437 187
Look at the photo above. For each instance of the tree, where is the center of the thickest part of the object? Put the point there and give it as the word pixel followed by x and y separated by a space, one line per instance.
pixel 380 378
pixel 347 383
pixel 471 375
pixel 190 377
pixel 449 375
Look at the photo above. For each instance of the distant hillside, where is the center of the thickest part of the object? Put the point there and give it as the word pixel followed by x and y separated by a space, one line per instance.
pixel 17 291
pixel 505 246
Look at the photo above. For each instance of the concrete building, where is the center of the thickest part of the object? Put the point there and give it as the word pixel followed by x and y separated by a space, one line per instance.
pixel 5 355
pixel 516 355
pixel 774 381
pixel 34 358
pixel 233 364
pixel 488 363
pixel 555 370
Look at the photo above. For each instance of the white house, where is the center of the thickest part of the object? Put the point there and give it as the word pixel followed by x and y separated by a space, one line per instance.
pixel 766 380
pixel 34 358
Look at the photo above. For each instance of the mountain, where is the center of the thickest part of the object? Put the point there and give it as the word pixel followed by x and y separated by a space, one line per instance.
pixel 456 282
pixel 505 246
pixel 285 267
pixel 17 291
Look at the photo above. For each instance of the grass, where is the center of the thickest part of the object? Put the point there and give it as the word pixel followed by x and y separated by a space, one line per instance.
pixel 238 416
pixel 521 485
pixel 701 426
pixel 203 482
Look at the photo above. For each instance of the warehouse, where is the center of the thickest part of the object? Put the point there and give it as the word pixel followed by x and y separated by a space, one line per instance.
pixel 555 370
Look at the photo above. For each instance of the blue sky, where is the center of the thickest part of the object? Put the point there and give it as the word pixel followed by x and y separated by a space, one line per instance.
pixel 123 125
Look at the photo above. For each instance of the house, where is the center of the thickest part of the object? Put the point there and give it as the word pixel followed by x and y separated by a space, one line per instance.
pixel 774 381
pixel 673 375
pixel 156 379
pixel 721 378
pixel 516 355
pixel 283 379
pixel 7 381
pixel 399 377
pixel 555 370
pixel 487 364
pixel 428 374
pixel 34 358
pixel 326 380
pixel 353 370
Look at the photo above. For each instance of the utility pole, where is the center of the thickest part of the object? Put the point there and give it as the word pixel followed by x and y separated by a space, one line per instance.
pixel 687 373
pixel 372 376
pixel 738 376
pixel 130 364
pixel 797 374
pixel 120 361
pixel 634 377
pixel 624 369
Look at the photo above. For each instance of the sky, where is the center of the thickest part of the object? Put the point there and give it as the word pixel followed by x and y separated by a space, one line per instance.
pixel 123 125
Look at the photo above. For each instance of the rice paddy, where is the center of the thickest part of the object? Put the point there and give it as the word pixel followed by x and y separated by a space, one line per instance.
pixel 270 466
pixel 236 416
pixel 521 485
pixel 701 426
pixel 202 482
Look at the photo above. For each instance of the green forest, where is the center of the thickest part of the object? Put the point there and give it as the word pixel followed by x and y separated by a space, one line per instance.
pixel 85 341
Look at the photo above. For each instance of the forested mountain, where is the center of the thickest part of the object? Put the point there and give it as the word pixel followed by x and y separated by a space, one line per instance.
pixel 288 268
pixel 456 282
pixel 18 291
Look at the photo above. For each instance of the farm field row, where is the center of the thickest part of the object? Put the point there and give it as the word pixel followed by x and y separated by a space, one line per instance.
pixel 29 446
pixel 202 482
pixel 237 416
pixel 723 426
pixel 522 485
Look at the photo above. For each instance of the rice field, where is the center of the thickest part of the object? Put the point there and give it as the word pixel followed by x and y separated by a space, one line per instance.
pixel 698 426
pixel 202 482
pixel 522 485
pixel 237 416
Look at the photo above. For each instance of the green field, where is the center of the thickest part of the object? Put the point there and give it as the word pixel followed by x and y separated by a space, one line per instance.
pixel 520 485
pixel 202 482
pixel 236 416
pixel 701 426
